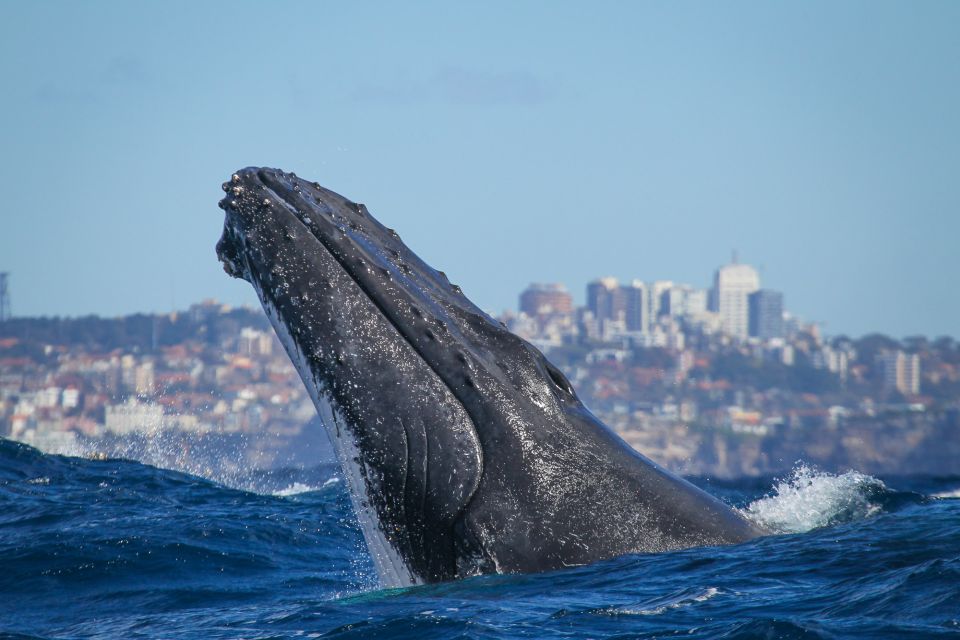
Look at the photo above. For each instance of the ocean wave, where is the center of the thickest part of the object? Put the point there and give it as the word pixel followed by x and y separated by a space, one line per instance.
pixel 114 548
pixel 809 499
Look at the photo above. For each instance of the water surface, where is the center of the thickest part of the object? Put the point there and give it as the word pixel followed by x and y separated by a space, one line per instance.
pixel 119 549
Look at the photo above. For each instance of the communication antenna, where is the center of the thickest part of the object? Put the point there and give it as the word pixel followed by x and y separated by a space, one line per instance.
pixel 5 311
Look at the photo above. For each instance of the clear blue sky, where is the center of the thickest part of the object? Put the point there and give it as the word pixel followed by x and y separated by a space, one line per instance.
pixel 534 141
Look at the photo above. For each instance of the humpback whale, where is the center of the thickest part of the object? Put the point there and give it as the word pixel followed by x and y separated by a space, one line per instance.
pixel 464 449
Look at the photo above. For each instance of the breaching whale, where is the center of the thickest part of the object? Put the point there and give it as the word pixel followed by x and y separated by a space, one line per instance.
pixel 464 449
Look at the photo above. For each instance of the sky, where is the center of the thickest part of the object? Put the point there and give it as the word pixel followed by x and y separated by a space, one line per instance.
pixel 507 142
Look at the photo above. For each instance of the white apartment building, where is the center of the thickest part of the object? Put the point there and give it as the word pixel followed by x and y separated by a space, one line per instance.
pixel 732 286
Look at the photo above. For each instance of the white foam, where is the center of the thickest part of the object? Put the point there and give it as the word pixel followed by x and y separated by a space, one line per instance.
pixel 809 499
pixel 676 601
pixel 297 488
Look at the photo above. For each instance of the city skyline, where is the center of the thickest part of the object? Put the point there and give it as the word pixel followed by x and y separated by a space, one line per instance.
pixel 217 379
pixel 583 302
pixel 659 312
pixel 645 140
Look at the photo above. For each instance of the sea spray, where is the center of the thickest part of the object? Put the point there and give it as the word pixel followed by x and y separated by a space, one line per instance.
pixel 808 499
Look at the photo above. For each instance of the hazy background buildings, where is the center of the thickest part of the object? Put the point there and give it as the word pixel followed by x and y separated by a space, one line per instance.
pixel 719 380
pixel 656 313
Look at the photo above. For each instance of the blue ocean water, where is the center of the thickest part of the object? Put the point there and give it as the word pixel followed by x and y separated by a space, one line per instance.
pixel 118 549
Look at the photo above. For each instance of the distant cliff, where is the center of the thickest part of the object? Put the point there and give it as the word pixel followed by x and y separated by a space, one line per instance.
pixel 891 444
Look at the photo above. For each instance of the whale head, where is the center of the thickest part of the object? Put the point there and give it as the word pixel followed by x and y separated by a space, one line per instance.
pixel 465 450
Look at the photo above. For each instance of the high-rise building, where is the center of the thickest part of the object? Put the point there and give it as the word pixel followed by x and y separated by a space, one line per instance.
pixel 901 371
pixel 656 289
pixel 546 299
pixel 634 307
pixel 605 299
pixel 732 284
pixel 766 314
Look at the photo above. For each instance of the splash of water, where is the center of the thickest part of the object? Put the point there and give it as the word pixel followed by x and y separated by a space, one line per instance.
pixel 809 499
pixel 227 459
pixel 216 457
pixel 297 488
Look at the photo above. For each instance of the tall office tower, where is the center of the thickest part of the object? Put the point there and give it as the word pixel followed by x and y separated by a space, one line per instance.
pixel 635 313
pixel 657 289
pixel 901 371
pixel 604 299
pixel 732 284
pixel 546 299
pixel 5 312
pixel 766 314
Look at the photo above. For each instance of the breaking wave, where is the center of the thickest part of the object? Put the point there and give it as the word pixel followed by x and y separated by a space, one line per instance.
pixel 809 499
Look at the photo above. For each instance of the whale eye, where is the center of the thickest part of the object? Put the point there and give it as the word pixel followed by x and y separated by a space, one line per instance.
pixel 559 379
